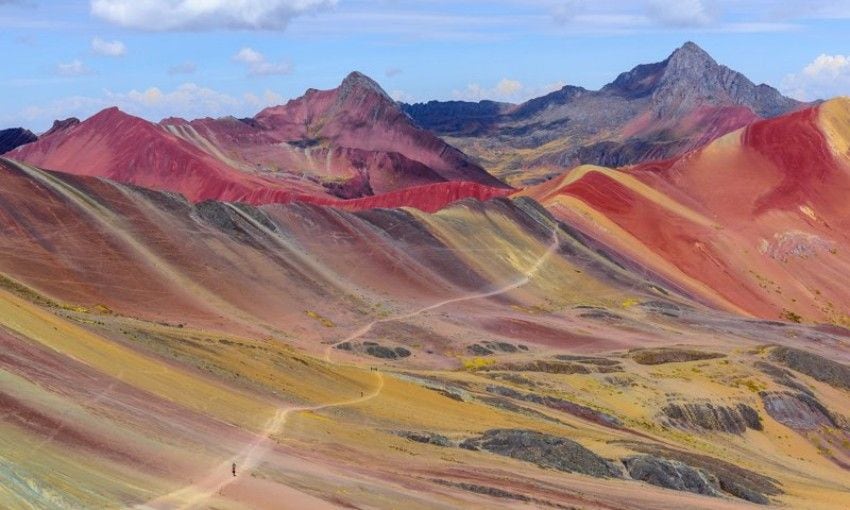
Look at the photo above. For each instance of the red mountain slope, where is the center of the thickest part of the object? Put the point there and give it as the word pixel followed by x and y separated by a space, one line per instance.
pixel 345 143
pixel 352 141
pixel 127 149
pixel 757 221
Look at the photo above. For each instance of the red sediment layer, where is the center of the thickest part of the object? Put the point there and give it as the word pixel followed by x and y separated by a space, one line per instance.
pixel 428 198
pixel 794 144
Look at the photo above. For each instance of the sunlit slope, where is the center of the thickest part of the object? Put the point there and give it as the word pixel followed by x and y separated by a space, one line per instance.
pixel 756 222
pixel 384 359
pixel 153 415
pixel 98 245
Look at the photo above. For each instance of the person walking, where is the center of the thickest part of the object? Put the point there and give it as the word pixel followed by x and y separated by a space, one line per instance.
pixel 234 469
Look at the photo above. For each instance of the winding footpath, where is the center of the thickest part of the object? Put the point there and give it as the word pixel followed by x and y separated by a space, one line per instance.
pixel 252 455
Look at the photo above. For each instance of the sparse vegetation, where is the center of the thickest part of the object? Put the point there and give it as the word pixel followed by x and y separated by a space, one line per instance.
pixel 321 319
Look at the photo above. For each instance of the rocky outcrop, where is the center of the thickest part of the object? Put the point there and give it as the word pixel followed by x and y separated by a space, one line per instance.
pixel 545 366
pixel 601 365
pixel 672 474
pixel 491 347
pixel 13 138
pixel 708 416
pixel 383 352
pixel 797 410
pixel 375 350
pixel 731 479
pixel 509 405
pixel 578 410
pixel 782 376
pixel 545 450
pixel 62 125
pixel 668 355
pixel 817 367
pixel 427 438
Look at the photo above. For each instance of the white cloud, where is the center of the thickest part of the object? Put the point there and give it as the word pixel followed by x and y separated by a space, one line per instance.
pixel 249 56
pixel 508 87
pixel 74 106
pixel 402 96
pixel 72 68
pixel 392 72
pixel 681 13
pixel 505 90
pixel 188 100
pixel 257 64
pixel 165 15
pixel 825 77
pixel 108 48
pixel 267 98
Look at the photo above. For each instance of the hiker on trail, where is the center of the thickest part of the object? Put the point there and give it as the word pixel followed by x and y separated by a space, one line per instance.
pixel 234 469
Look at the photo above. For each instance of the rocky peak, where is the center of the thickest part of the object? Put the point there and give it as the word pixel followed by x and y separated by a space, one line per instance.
pixel 358 83
pixel 690 55
pixel 688 63
pixel 62 125
pixel 692 78
pixel 693 66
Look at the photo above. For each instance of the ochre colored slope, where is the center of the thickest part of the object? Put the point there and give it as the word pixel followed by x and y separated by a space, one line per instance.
pixel 172 261
pixel 148 343
pixel 756 222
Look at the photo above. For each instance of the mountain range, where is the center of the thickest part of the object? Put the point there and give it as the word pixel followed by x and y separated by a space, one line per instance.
pixel 350 142
pixel 655 111
pixel 631 298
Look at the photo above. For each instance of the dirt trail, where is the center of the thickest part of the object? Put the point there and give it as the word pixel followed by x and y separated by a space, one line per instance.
pixel 252 455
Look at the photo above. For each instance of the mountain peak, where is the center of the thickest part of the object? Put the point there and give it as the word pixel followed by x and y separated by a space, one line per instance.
pixel 692 78
pixel 359 82
pixel 113 113
pixel 690 56
pixel 692 49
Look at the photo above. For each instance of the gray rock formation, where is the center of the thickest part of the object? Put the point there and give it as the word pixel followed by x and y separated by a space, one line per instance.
pixel 731 479
pixel 817 367
pixel 708 416
pixel 798 411
pixel 544 450
pixel 670 355
pixel 559 404
pixel 690 78
pixel 672 474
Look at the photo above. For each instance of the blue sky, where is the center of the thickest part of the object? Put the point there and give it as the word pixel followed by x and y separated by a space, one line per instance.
pixel 192 58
